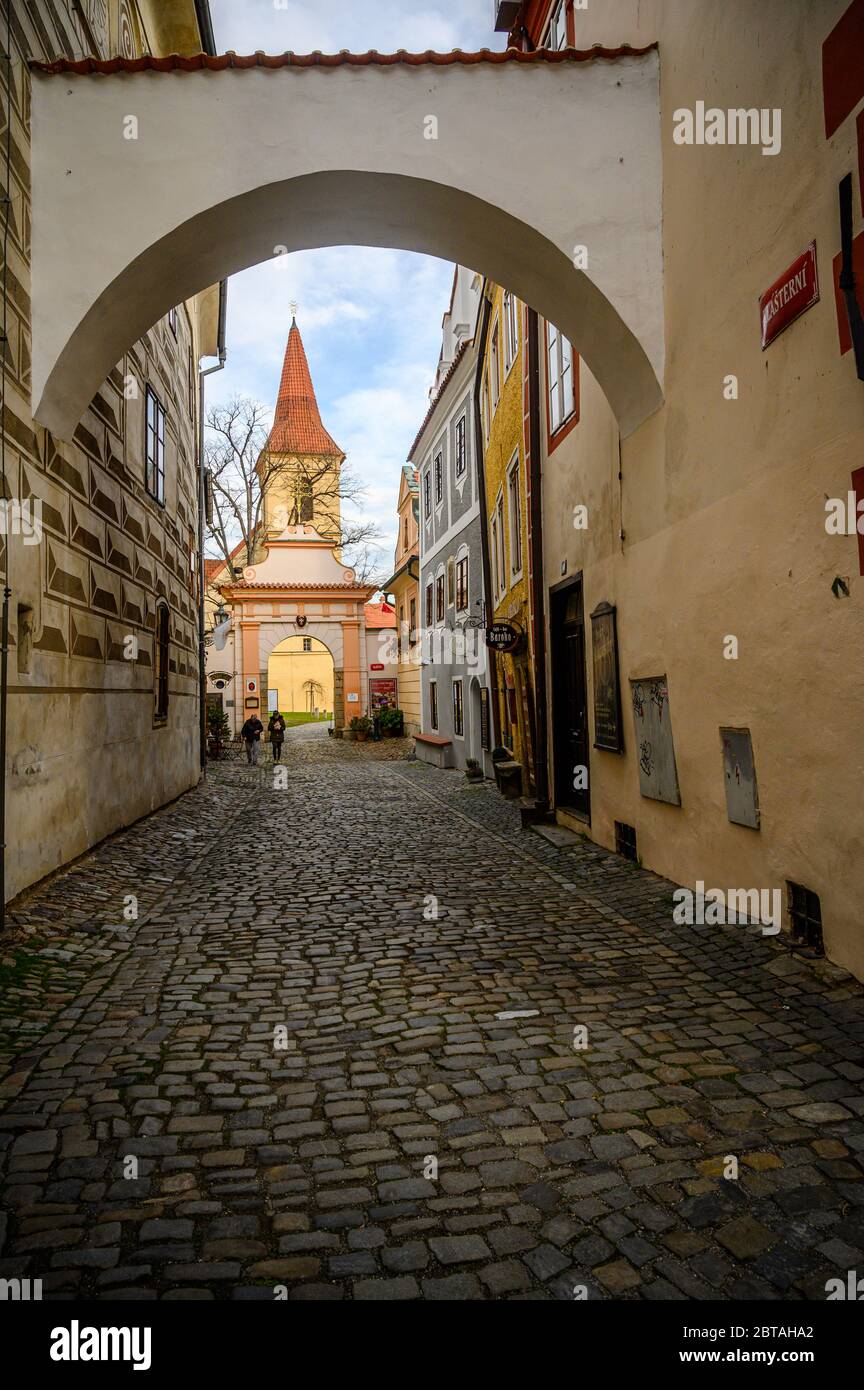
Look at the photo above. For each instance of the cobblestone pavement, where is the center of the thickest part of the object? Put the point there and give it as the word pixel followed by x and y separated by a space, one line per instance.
pixel 331 1090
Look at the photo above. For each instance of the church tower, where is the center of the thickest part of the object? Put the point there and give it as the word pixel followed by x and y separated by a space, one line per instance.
pixel 300 467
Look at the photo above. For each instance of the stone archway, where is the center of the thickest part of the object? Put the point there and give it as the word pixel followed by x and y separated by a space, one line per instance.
pixel 557 194
pixel 301 670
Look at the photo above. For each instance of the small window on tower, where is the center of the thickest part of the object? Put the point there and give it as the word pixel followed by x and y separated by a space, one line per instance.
pixel 305 501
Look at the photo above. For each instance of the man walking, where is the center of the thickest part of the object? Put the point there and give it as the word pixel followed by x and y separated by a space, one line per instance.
pixel 251 735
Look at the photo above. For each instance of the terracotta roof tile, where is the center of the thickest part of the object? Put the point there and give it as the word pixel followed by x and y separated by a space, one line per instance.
pixel 199 62
pixel 300 584
pixel 297 425
pixel 380 615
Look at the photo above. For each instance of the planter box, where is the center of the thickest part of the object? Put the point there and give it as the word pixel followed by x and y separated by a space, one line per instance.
pixel 508 779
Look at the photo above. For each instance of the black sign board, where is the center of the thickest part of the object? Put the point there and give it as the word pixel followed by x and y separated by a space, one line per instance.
pixel 607 686
pixel 485 737
pixel 503 637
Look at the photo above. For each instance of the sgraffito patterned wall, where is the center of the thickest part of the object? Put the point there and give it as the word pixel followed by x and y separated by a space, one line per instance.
pixel 86 752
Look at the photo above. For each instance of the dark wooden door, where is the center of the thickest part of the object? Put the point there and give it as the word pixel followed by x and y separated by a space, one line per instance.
pixel 570 708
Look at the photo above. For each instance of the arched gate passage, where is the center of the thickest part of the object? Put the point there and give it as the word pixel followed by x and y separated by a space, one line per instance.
pixel 541 170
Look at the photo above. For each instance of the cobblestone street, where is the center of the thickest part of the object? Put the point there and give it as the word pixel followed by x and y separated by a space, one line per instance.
pixel 302 1159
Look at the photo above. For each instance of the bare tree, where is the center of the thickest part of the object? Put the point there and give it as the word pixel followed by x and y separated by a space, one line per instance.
pixel 243 472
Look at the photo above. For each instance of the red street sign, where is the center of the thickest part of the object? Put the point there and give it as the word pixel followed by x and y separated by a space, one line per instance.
pixel 796 291
pixel 376 666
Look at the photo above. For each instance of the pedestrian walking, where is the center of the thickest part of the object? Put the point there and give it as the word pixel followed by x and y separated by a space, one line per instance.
pixel 251 735
pixel 276 730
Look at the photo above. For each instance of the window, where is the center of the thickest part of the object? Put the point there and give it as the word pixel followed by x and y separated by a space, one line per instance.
pixel 160 665
pixel 514 503
pixel 405 534
pixel 462 584
pixel 461 446
pixel 511 330
pixel 556 34
pixel 498 548
pixel 172 321
pixel 412 626
pixel 307 644
pixel 458 716
pixel 427 495
pixel 154 447
pixel 433 704
pixel 625 841
pixel 451 582
pixel 495 368
pixel 429 603
pixel 439 598
pixel 400 635
pixel 559 378
pixel 305 500
pixel 805 913
pixel 439 479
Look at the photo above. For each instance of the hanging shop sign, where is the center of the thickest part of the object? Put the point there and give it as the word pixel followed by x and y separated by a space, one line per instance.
pixel 796 291
pixel 504 637
pixel 608 732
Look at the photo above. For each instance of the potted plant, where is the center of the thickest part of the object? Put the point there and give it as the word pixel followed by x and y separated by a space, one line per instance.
pixel 473 770
pixel 218 731
pixel 361 725
pixel 390 722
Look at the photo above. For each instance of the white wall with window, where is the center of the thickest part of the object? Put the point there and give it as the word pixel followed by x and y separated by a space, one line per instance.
pixel 560 379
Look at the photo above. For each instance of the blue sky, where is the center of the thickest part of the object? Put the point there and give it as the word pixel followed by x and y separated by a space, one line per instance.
pixel 370 319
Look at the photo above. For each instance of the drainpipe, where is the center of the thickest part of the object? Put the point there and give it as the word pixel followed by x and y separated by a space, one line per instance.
pixel 7 591
pixel 541 773
pixel 202 655
pixel 479 451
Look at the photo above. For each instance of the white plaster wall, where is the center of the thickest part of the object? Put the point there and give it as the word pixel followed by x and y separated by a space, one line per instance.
pixel 530 161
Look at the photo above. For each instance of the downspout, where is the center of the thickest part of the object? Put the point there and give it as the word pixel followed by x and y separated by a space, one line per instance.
pixel 479 453
pixel 202 654
pixel 541 772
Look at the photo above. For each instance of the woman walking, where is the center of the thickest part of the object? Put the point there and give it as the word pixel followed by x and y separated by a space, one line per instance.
pixel 276 730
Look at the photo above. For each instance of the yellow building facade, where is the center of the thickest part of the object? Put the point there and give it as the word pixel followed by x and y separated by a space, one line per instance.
pixel 300 672
pixel 404 588
pixel 502 411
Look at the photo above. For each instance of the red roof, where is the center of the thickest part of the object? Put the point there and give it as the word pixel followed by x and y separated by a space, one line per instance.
pixel 297 426
pixel 199 62
pixel 380 615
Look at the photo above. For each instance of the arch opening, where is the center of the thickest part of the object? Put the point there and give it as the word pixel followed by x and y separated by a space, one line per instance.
pixel 348 207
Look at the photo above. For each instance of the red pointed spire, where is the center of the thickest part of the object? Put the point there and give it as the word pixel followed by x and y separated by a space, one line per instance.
pixel 297 425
